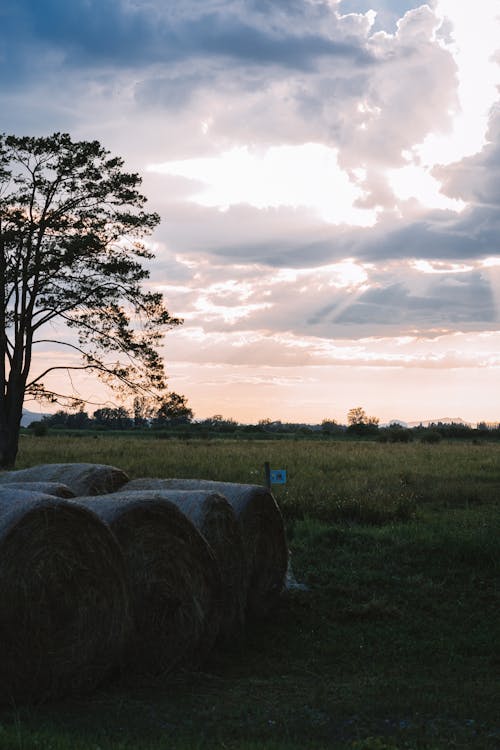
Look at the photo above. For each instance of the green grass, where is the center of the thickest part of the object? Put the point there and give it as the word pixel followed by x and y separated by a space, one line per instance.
pixel 357 481
pixel 395 645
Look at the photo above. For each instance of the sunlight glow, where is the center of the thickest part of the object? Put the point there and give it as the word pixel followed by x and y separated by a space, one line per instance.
pixel 343 275
pixel 306 176
pixel 230 314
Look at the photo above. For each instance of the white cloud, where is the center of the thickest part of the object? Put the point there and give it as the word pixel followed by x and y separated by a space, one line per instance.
pixel 415 182
pixel 475 40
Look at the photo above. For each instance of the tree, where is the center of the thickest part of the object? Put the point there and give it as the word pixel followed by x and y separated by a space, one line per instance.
pixel 218 423
pixel 356 416
pixel 331 427
pixel 143 411
pixel 113 418
pixel 72 225
pixel 359 423
pixel 173 411
pixel 78 420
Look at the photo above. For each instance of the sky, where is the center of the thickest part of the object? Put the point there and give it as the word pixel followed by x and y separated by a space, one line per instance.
pixel 328 177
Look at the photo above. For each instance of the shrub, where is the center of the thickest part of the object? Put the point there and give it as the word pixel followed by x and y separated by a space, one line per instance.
pixel 431 436
pixel 39 429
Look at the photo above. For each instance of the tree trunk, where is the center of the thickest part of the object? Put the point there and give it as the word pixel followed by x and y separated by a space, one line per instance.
pixel 11 412
pixel 9 441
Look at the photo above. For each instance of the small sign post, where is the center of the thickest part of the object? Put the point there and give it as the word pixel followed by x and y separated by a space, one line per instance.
pixel 278 476
pixel 274 476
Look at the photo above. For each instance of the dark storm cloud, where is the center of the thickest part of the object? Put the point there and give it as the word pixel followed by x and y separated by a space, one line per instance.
pixel 91 33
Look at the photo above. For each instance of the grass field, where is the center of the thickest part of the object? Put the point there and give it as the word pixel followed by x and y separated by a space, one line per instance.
pixel 394 646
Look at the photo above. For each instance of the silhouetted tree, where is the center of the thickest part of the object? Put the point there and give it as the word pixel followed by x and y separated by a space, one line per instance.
pixel 359 423
pixel 71 252
pixel 117 418
pixel 78 420
pixel 143 411
pixel 173 411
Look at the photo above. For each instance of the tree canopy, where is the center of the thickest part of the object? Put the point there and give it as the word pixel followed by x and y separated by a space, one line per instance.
pixel 72 254
pixel 173 410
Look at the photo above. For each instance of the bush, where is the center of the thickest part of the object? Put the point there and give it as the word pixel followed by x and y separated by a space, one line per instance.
pixel 39 429
pixel 431 436
pixel 394 434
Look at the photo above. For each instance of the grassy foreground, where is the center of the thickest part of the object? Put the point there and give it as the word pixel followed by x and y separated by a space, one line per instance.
pixel 394 646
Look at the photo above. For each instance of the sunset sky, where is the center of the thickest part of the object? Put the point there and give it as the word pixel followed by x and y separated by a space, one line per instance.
pixel 328 177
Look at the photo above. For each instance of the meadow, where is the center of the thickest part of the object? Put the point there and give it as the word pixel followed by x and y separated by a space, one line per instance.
pixel 394 646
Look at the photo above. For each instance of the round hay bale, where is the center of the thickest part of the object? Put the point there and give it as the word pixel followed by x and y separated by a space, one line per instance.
pixel 64 607
pixel 82 479
pixel 215 518
pixel 56 489
pixel 173 576
pixel 263 533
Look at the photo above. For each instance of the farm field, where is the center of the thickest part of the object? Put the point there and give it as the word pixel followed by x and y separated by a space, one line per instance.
pixel 394 646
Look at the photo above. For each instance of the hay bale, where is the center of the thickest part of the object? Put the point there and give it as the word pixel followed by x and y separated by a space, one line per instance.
pixel 82 479
pixel 173 576
pixel 215 518
pixel 64 607
pixel 56 489
pixel 263 533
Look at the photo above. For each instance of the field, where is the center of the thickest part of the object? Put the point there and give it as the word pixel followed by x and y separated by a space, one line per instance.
pixel 393 647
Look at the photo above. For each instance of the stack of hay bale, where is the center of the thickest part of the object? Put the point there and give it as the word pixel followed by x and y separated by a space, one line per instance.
pixel 99 573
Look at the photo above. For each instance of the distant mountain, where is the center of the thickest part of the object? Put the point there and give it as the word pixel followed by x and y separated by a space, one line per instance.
pixel 31 416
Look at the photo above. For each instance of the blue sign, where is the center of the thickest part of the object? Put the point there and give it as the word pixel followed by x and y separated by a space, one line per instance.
pixel 278 476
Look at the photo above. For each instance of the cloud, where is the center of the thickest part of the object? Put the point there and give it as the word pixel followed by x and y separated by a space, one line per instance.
pixel 114 34
pixel 279 73
pixel 342 300
pixel 287 351
pixel 476 179
pixel 388 12
pixel 447 303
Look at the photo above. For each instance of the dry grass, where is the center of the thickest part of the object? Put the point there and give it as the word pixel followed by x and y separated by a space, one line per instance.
pixel 214 517
pixel 56 489
pixel 173 576
pixel 81 478
pixel 64 605
pixel 264 539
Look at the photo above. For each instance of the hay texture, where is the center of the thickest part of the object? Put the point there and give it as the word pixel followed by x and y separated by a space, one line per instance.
pixel 215 518
pixel 82 479
pixel 64 607
pixel 56 489
pixel 173 576
pixel 264 539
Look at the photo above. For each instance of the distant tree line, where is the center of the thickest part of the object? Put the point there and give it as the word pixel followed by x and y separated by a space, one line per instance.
pixel 173 415
pixel 172 410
